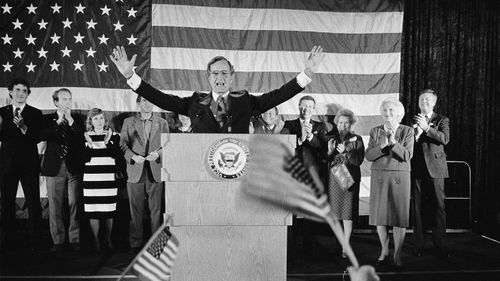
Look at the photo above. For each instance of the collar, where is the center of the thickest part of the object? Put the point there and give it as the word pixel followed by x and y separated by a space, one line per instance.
pixel 20 107
pixel 142 119
pixel 302 120
pixel 215 95
pixel 429 115
pixel 387 129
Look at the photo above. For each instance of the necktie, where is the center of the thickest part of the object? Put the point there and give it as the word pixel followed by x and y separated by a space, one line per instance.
pixel 65 131
pixel 16 112
pixel 221 111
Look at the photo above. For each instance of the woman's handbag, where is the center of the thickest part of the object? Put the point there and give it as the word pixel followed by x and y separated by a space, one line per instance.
pixel 340 174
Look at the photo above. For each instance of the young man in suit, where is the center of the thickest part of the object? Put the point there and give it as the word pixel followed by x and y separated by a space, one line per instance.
pixel 219 111
pixel 140 142
pixel 62 166
pixel 429 169
pixel 309 146
pixel 20 126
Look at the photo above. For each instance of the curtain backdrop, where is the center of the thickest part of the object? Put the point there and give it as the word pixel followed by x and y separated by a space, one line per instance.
pixel 453 47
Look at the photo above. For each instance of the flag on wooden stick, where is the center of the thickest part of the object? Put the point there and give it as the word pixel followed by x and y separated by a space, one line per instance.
pixel 277 177
pixel 154 262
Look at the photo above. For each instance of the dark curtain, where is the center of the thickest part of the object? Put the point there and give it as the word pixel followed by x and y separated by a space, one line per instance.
pixel 453 47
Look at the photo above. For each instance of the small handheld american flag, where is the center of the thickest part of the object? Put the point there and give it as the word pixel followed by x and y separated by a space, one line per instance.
pixel 278 178
pixel 155 260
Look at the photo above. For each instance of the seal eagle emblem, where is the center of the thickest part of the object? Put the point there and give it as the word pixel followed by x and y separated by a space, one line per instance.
pixel 228 158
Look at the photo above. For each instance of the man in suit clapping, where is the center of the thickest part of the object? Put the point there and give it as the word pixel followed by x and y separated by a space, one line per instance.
pixel 20 126
pixel 429 169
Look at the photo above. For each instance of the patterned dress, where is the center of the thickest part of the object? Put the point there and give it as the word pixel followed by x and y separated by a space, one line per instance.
pixel 100 188
pixel 345 203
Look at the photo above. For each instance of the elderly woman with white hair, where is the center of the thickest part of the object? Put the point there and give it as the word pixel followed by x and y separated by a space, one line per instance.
pixel 390 149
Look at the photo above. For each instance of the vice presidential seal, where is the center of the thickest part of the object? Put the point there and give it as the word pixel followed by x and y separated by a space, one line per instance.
pixel 228 158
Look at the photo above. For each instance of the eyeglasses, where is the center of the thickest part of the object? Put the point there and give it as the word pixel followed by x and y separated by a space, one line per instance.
pixel 223 73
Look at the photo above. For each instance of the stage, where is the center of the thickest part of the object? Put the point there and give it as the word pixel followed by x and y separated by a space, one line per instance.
pixel 473 257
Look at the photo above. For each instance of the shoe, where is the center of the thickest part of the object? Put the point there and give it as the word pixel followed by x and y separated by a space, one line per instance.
pixel 383 261
pixel 57 248
pixel 398 267
pixel 418 252
pixel 75 247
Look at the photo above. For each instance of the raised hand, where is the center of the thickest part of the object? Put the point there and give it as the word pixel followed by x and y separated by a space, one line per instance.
pixel 120 59
pixel 314 60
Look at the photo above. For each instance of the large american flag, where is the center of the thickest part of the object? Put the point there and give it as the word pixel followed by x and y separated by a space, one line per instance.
pixel 267 41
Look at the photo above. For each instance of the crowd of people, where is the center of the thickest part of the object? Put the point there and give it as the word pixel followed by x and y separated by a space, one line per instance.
pixel 408 162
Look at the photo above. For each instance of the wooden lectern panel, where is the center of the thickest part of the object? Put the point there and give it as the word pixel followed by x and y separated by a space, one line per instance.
pixel 219 203
pixel 185 156
pixel 230 253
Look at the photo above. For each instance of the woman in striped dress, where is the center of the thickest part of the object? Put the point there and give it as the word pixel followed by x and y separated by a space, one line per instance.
pixel 100 188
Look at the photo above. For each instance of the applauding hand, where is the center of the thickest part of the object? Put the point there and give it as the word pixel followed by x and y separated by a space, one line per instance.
pixel 120 59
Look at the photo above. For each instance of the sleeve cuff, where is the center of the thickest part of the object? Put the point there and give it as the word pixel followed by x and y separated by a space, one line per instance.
pixel 134 82
pixel 303 80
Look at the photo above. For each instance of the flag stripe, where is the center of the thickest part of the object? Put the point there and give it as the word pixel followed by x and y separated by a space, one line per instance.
pixel 317 5
pixel 275 19
pixel 147 272
pixel 270 61
pixel 362 105
pixel 274 40
pixel 191 80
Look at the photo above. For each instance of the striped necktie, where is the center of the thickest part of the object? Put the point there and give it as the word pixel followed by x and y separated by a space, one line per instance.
pixel 65 133
pixel 221 111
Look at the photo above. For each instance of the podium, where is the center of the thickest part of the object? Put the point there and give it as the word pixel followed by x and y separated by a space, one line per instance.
pixel 224 234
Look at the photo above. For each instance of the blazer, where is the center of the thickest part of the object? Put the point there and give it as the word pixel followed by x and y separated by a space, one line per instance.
pixel 429 148
pixel 395 158
pixel 353 155
pixel 241 106
pixel 310 151
pixel 51 161
pixel 17 147
pixel 132 142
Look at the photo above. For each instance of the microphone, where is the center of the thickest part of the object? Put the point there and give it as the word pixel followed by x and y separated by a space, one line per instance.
pixel 196 120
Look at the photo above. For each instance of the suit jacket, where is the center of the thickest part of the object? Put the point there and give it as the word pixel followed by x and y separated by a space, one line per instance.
pixel 132 142
pixel 51 161
pixel 310 151
pixel 241 106
pixel 429 149
pixel 395 158
pixel 18 149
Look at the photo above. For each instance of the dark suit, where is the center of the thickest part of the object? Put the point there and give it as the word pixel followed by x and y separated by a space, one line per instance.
pixel 311 154
pixel 311 151
pixel 19 161
pixel 63 176
pixel 429 169
pixel 241 106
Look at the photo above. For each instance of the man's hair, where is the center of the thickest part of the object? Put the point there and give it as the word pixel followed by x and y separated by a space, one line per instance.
pixel 428 91
pixel 219 58
pixel 307 98
pixel 55 95
pixel 17 81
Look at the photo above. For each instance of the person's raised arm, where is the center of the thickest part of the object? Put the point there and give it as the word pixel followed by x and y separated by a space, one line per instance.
pixel 313 60
pixel 124 65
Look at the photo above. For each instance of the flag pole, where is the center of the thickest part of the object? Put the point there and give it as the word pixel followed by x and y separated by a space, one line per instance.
pixel 160 229
pixel 334 224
